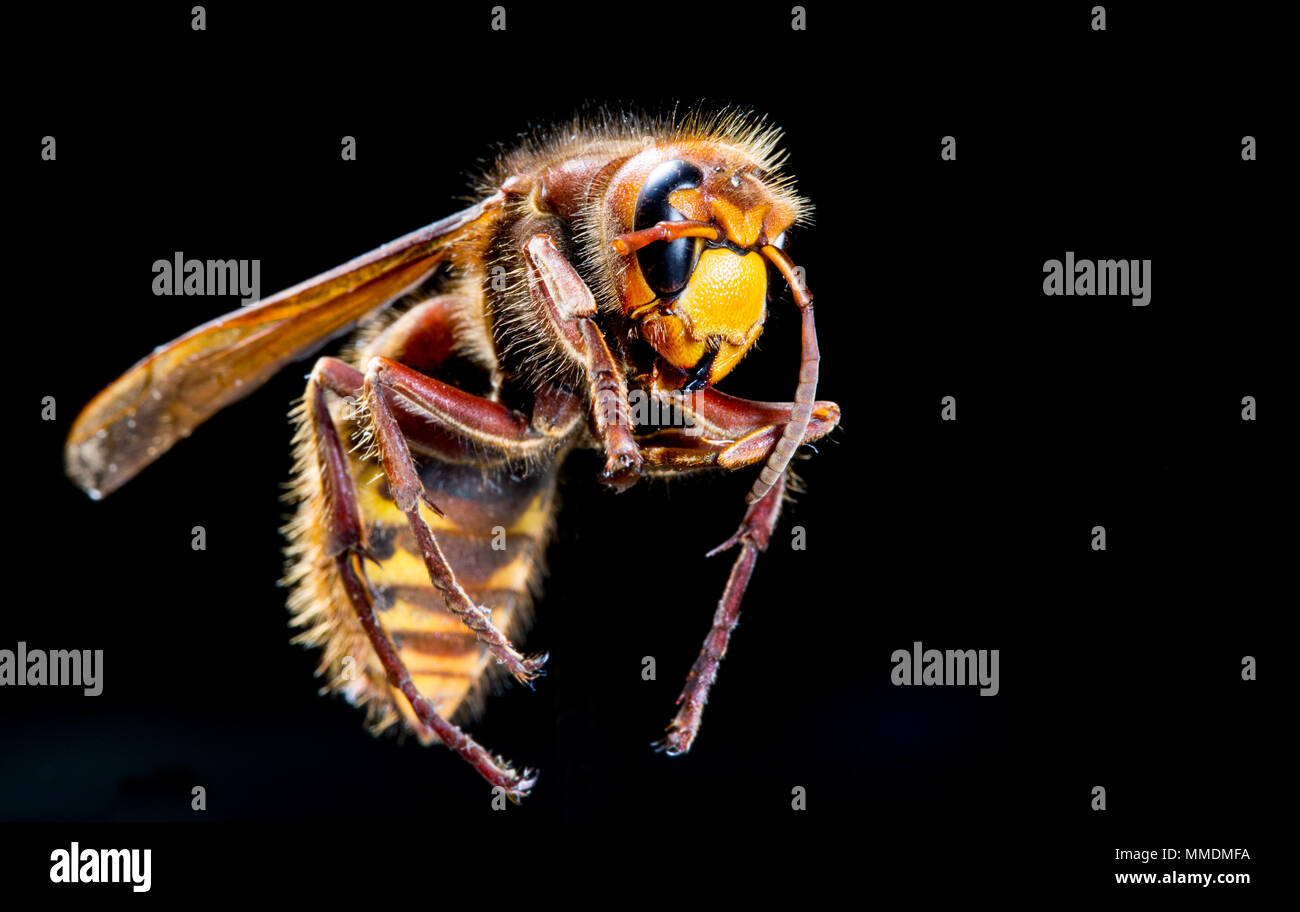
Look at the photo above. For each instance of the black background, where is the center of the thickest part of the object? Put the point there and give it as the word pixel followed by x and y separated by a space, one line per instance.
pixel 1119 669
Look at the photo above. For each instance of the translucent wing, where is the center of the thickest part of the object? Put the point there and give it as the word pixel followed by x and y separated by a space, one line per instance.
pixel 164 397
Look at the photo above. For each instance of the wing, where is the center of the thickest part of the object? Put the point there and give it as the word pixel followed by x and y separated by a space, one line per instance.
pixel 164 397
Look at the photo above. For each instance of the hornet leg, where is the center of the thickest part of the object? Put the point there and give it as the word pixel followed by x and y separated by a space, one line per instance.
pixel 347 548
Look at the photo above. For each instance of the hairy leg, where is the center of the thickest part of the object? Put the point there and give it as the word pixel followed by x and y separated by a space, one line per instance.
pixel 347 547
pixel 390 390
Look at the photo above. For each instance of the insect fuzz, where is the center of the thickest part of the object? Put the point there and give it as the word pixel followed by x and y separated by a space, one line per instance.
pixel 602 262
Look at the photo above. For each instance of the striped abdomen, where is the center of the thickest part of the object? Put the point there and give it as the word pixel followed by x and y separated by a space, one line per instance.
pixel 493 536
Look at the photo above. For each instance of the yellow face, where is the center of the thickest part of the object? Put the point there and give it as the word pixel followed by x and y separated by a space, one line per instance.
pixel 700 303
pixel 721 309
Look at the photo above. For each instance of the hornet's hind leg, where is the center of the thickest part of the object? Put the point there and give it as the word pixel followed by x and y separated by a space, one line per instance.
pixel 347 547
pixel 400 400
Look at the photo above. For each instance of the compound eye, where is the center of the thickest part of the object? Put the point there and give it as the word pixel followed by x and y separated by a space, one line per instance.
pixel 667 266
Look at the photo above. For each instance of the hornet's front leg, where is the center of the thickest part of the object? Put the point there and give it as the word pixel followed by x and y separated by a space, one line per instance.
pixel 724 432
pixel 729 433
pixel 568 305
pixel 752 537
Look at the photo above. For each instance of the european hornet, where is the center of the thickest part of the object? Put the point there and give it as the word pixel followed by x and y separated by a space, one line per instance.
pixel 627 255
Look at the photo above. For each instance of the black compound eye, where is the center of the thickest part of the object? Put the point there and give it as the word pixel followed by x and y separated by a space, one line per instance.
pixel 666 265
